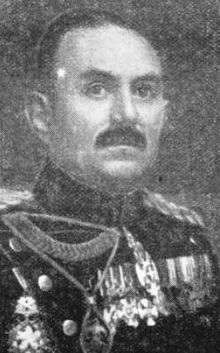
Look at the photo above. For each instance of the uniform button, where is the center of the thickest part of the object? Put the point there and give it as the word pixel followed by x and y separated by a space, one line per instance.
pixel 44 283
pixel 205 320
pixel 91 300
pixel 15 245
pixel 151 322
pixel 69 327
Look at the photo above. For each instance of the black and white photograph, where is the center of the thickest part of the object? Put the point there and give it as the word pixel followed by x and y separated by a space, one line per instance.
pixel 109 176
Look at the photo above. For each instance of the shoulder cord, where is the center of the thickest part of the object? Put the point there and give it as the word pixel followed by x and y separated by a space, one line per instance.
pixel 64 251
pixel 41 244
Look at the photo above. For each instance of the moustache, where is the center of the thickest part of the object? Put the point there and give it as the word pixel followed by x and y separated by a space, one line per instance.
pixel 121 136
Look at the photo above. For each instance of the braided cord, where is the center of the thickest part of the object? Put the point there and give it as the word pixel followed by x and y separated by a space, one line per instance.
pixel 71 221
pixel 26 232
pixel 46 258
pixel 64 251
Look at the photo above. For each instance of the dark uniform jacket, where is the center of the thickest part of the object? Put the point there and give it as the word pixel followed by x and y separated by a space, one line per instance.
pixel 83 273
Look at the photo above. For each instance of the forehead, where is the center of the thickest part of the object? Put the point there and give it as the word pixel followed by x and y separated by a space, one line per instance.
pixel 107 48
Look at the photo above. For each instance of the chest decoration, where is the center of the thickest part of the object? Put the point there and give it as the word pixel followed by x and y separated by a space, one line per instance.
pixel 128 296
pixel 131 292
pixel 28 334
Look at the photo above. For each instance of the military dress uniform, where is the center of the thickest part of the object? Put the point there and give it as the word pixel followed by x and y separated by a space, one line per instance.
pixel 81 272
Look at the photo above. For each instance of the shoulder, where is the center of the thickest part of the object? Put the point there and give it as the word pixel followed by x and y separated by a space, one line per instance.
pixel 172 210
pixel 181 234
pixel 12 201
pixel 177 230
pixel 13 198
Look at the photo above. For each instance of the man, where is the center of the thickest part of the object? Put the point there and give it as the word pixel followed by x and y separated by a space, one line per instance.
pixel 92 261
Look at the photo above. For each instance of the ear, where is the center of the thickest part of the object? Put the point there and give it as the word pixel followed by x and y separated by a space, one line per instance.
pixel 38 113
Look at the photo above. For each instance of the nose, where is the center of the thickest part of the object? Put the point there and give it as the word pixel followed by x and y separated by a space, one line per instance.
pixel 124 107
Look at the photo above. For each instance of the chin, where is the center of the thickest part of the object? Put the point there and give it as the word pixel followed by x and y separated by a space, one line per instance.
pixel 122 169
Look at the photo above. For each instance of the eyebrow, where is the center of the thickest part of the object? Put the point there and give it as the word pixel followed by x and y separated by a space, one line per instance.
pixel 89 74
pixel 105 75
pixel 150 77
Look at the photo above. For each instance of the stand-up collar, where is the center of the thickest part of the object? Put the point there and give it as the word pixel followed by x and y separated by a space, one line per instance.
pixel 57 193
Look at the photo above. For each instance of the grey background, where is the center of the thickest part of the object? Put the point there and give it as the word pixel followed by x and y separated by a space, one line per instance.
pixel 187 169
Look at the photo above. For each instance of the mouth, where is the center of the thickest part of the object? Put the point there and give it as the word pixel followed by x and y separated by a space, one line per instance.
pixel 121 137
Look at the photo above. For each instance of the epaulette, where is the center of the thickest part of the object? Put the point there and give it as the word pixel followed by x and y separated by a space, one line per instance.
pixel 11 198
pixel 169 208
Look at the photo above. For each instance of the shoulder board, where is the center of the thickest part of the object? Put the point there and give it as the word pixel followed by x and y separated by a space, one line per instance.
pixel 9 198
pixel 158 201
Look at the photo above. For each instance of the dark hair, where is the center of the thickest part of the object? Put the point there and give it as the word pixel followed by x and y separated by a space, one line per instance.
pixel 49 41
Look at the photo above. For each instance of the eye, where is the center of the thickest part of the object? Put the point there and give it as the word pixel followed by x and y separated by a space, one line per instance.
pixel 96 90
pixel 143 91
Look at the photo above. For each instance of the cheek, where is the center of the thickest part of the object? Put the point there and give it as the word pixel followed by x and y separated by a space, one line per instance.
pixel 81 119
pixel 152 117
pixel 85 111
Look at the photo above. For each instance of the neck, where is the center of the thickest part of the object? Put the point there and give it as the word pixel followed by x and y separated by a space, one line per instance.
pixel 113 187
pixel 58 193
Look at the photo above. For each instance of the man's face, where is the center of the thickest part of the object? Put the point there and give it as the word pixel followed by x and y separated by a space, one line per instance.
pixel 109 108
